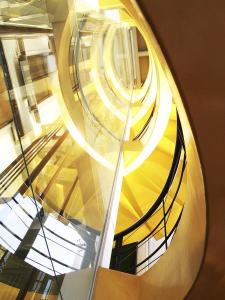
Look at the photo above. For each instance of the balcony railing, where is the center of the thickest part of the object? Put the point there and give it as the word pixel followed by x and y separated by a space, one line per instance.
pixel 125 255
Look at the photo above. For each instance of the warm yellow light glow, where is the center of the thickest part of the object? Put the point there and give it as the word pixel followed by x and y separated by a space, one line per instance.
pixel 151 139
pixel 125 93
pixel 83 6
pixel 49 105
pixel 112 14
pixel 149 97
pixel 104 98
pixel 79 138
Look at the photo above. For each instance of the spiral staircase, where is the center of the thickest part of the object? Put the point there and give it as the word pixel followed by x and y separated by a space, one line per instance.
pixel 109 196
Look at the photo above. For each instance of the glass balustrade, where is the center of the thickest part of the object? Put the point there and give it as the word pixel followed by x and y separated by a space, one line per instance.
pixel 32 13
pixel 55 187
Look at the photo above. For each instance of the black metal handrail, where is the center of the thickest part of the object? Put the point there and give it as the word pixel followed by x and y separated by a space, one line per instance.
pixel 143 130
pixel 165 190
pixel 121 259
pixel 165 220
pixel 163 243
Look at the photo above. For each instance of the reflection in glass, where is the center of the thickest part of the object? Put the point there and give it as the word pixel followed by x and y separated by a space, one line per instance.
pixel 56 183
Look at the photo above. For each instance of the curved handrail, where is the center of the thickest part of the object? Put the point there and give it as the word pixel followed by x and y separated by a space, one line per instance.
pixel 171 205
pixel 140 134
pixel 163 243
pixel 79 91
pixel 81 97
pixel 160 199
pixel 121 256
pixel 155 229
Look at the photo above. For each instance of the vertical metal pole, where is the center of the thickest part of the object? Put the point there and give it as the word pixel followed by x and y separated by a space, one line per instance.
pixel 118 247
pixel 164 220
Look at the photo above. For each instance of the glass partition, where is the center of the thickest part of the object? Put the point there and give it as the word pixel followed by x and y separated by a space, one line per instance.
pixel 32 13
pixel 60 151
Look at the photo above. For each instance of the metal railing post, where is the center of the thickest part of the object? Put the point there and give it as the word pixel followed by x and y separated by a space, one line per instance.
pixel 164 221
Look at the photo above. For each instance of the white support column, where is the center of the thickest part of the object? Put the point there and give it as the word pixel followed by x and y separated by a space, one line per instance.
pixel 111 218
pixel 109 230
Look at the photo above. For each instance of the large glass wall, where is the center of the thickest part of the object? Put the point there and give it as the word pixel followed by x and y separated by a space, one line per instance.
pixel 59 151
